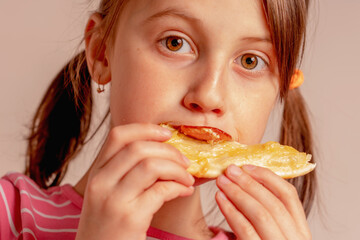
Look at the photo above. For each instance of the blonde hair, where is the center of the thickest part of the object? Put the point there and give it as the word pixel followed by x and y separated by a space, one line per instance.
pixel 68 100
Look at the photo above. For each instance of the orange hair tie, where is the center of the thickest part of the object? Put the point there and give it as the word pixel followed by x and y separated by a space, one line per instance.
pixel 297 79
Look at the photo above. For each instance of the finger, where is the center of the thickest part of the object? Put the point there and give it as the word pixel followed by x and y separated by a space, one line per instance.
pixel 154 197
pixel 284 191
pixel 122 135
pixel 241 227
pixel 273 205
pixel 146 172
pixel 132 154
pixel 256 213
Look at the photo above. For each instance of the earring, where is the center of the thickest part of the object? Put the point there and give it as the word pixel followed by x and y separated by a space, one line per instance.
pixel 100 89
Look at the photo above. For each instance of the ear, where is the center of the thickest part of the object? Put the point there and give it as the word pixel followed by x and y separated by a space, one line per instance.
pixel 95 49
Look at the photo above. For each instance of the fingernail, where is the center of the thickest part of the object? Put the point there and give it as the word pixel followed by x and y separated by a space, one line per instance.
pixel 234 170
pixel 186 160
pixel 249 167
pixel 165 132
pixel 189 192
pixel 191 178
pixel 224 180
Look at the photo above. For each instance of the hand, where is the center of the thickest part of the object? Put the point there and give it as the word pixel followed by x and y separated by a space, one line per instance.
pixel 133 175
pixel 258 204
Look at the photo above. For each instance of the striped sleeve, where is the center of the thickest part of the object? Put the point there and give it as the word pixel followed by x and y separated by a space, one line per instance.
pixel 9 214
pixel 29 212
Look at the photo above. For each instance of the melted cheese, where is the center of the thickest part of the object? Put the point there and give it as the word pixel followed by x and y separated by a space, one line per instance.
pixel 210 160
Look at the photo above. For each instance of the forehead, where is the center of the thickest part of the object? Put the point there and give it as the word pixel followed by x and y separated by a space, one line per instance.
pixel 234 18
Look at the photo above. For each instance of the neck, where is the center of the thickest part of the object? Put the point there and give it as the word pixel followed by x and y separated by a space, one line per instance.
pixel 183 217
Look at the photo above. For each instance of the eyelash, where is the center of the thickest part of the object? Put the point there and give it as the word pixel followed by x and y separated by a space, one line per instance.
pixel 242 60
pixel 165 45
pixel 176 40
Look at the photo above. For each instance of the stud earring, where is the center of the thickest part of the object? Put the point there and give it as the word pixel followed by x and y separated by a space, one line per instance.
pixel 100 89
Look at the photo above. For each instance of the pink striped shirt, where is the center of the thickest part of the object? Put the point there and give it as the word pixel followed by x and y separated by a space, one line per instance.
pixel 28 212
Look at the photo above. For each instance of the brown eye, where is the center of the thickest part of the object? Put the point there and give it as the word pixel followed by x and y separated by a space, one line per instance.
pixel 249 61
pixel 174 43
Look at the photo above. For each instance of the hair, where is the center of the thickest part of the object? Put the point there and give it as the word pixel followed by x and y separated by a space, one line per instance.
pixel 61 122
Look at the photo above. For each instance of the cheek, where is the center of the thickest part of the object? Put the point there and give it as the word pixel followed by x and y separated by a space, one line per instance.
pixel 258 120
pixel 139 88
pixel 253 111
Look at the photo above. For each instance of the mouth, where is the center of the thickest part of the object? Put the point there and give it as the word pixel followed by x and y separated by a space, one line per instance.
pixel 203 133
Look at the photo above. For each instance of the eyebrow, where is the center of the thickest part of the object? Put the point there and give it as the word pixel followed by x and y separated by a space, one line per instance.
pixel 257 39
pixel 173 12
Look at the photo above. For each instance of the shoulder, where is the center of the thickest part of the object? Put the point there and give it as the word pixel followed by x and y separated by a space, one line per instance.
pixel 25 209
pixel 13 180
pixel 17 186
pixel 14 185
pixel 9 193
pixel 9 206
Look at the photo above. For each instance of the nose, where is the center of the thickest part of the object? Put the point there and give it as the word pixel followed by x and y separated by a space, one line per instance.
pixel 206 94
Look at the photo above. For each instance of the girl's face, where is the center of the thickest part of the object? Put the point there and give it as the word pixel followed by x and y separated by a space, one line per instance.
pixel 190 62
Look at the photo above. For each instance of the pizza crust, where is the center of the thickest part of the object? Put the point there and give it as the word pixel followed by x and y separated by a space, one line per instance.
pixel 210 159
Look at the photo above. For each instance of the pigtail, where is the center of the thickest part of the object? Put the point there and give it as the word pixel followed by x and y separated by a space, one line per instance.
pixel 296 132
pixel 60 124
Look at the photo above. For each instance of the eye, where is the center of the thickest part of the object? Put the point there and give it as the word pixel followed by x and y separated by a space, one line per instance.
pixel 251 62
pixel 176 44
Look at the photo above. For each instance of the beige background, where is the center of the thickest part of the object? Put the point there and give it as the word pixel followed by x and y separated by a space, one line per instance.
pixel 38 37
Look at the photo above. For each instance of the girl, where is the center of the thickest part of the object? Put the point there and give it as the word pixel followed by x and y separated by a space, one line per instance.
pixel 182 62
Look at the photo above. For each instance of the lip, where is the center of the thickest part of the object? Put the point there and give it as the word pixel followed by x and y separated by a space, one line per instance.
pixel 177 125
